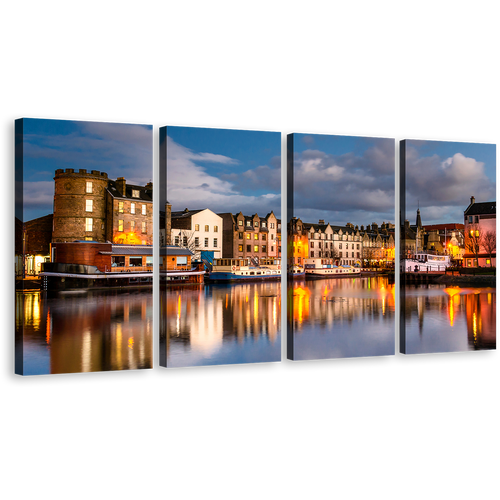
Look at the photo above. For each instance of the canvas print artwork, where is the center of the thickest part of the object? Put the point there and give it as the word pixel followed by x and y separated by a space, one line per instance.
pixel 220 246
pixel 448 246
pixel 341 246
pixel 83 246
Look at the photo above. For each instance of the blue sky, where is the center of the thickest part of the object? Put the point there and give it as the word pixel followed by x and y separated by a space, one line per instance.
pixel 120 150
pixel 337 178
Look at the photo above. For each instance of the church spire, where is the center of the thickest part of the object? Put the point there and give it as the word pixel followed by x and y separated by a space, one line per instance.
pixel 419 220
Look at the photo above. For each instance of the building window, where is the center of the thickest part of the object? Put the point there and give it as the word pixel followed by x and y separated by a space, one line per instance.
pixel 216 229
pixel 249 248
pixel 264 237
pixel 143 209
pixel 197 242
pixel 312 254
pixel 256 224
pixel 248 236
pixel 272 249
pixel 240 223
pixel 207 229
pixel 135 193
pixel 264 248
pixel 477 232
pixel 240 248
pixel 196 227
pixel 206 242
pixel 279 226
pixel 340 254
pixel 88 238
pixel 88 205
pixel 149 261
pixel 88 187
pixel 249 223
pixel 120 225
pixel 352 254
pixel 135 261
pixel 255 236
pixel 88 224
pixel 263 224
pixel 312 244
pixel 240 236
pixel 340 245
pixel 272 236
pixel 476 219
pixel 120 207
pixel 144 227
pixel 215 242
pixel 256 248
pixel 184 241
pixel 132 225
pixel 118 261
pixel 177 241
pixel 488 261
pixel 132 208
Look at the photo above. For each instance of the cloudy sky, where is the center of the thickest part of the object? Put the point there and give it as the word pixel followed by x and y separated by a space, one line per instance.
pixel 120 150
pixel 442 176
pixel 337 178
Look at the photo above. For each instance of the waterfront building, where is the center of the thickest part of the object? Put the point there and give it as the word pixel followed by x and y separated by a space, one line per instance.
pixel 198 230
pixel 479 227
pixel 36 238
pixel 90 207
pixel 106 257
pixel 252 237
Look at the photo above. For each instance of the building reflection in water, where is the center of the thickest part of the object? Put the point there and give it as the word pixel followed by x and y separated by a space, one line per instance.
pixel 241 323
pixel 220 324
pixel 83 333
pixel 446 319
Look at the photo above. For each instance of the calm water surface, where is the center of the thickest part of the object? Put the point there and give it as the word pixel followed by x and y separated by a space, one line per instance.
pixel 222 324
pixel 84 333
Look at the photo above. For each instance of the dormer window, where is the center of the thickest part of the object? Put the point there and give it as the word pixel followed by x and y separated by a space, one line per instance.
pixel 263 224
pixel 256 224
pixel 135 193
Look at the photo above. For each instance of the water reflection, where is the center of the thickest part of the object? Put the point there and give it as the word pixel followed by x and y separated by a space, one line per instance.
pixel 222 324
pixel 336 318
pixel 83 333
pixel 446 319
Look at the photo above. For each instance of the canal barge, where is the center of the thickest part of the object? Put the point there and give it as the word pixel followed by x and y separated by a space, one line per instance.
pixel 58 277
pixel 325 268
pixel 241 270
pixel 424 262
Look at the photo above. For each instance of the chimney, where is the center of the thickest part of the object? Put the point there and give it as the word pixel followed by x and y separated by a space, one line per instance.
pixel 120 185
pixel 362 227
pixel 321 222
pixel 472 200
pixel 149 185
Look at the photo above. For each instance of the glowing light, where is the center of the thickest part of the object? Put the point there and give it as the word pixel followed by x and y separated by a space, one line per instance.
pixel 131 342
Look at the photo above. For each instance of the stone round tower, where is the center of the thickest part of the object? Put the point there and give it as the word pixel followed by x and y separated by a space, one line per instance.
pixel 79 205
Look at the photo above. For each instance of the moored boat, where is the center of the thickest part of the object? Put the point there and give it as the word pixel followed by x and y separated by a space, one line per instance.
pixel 325 268
pixel 424 262
pixel 230 270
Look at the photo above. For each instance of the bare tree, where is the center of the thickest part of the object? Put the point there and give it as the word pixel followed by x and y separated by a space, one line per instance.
pixel 186 239
pixel 490 244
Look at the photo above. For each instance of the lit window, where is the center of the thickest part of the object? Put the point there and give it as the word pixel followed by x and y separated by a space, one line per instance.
pixel 215 242
pixel 472 232
pixel 255 236
pixel 256 224
pixel 120 225
pixel 88 238
pixel 143 209
pixel 249 223
pixel 248 236
pixel 240 223
pixel 132 225
pixel 135 193
pixel 263 224
pixel 256 248
pixel 216 229
pixel 206 242
pixel 88 224
pixel 88 188
pixel 477 232
pixel 207 229
pixel 120 207
pixel 144 227
pixel 132 208
pixel 196 227
pixel 240 248
pixel 88 205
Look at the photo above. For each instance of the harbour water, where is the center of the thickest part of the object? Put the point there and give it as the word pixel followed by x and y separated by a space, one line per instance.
pixel 241 323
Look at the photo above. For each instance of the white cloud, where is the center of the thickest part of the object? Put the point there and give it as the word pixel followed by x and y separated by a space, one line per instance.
pixel 189 185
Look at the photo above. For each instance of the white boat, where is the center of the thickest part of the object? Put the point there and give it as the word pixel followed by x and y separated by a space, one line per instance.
pixel 325 268
pixel 228 270
pixel 423 262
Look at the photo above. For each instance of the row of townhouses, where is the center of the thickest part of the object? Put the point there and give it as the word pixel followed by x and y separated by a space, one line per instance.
pixel 91 208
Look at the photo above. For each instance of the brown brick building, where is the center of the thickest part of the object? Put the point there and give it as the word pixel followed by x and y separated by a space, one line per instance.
pixel 91 207
pixel 251 236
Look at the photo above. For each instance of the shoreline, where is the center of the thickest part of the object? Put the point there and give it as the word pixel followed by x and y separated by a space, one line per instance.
pixel 479 281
